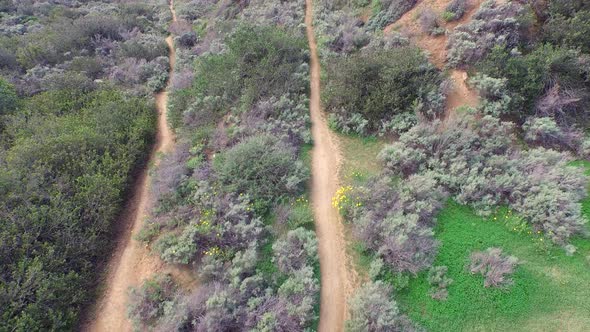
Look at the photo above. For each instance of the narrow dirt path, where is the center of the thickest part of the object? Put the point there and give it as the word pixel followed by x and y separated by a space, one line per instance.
pixel 336 279
pixel 132 262
pixel 436 47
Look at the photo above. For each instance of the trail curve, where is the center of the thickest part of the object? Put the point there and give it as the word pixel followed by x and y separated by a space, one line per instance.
pixel 132 262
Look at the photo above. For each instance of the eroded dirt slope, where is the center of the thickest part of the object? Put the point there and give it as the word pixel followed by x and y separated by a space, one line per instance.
pixel 459 93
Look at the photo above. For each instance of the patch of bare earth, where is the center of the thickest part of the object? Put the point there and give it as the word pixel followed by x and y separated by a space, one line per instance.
pixel 459 93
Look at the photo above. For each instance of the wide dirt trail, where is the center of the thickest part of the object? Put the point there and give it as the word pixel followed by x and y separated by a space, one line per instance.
pixel 336 280
pixel 436 46
pixel 132 262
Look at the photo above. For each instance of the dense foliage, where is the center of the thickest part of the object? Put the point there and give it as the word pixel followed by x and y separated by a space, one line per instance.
pixel 493 25
pixel 230 200
pixel 389 11
pixel 71 141
pixel 44 44
pixel 477 162
pixel 261 168
pixel 549 81
pixel 528 61
pixel 395 220
pixel 520 74
pixel 379 91
pixel 567 23
pixel 372 309
pixel 62 181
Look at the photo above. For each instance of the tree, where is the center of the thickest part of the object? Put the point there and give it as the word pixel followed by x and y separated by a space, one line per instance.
pixel 8 98
pixel 8 101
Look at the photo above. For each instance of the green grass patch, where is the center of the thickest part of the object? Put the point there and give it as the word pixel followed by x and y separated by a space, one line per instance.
pixel 550 289
pixel 359 158
pixel 360 163
pixel 266 266
pixel 305 154
pixel 362 256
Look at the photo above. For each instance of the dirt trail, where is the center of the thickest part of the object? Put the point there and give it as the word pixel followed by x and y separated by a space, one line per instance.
pixel 436 47
pixel 132 262
pixel 336 280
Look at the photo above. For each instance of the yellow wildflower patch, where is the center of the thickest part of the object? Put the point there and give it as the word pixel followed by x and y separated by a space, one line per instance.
pixel 341 198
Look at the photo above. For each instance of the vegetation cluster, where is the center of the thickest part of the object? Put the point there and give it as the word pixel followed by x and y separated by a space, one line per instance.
pixel 76 122
pixel 230 201
pixel 514 150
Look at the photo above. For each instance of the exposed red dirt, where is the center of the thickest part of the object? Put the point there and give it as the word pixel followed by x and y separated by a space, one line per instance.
pixel 459 93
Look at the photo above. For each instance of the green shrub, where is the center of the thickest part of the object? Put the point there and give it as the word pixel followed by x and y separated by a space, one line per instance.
pixel 364 90
pixel 295 250
pixel 476 161
pixel 569 31
pixel 447 16
pixel 549 81
pixel 149 48
pixel 260 62
pixel 8 99
pixel 493 25
pixel 454 10
pixel 261 168
pixel 439 282
pixel 389 12
pixel 494 93
pixel 62 185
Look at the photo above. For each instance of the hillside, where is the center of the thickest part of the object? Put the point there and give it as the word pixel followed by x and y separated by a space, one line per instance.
pixel 303 165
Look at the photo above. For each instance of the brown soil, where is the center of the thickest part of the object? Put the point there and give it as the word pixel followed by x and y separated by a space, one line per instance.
pixel 336 275
pixel 132 262
pixel 459 93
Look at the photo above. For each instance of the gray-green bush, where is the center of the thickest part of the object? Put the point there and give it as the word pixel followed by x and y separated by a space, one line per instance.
pixel 494 266
pixel 493 25
pixel 373 309
pixel 263 168
pixel 476 161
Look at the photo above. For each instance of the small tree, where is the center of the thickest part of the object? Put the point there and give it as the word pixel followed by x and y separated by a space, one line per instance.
pixel 8 98
pixel 295 250
pixel 455 10
pixel 146 304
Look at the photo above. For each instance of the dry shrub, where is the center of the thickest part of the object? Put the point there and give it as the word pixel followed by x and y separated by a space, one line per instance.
pixel 494 266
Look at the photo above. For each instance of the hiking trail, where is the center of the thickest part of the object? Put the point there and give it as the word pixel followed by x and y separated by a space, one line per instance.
pixel 336 274
pixel 132 262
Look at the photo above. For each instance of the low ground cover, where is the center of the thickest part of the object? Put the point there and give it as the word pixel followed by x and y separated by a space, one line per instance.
pixel 546 284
